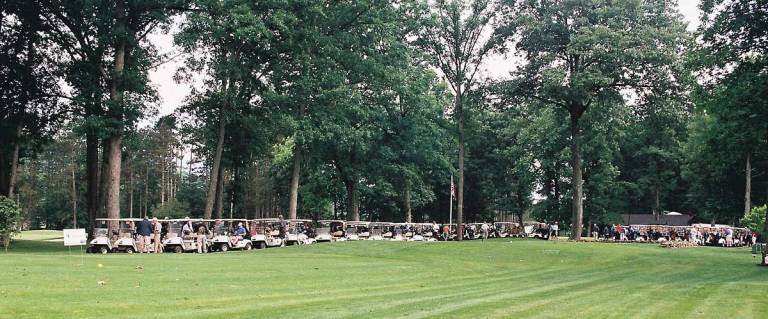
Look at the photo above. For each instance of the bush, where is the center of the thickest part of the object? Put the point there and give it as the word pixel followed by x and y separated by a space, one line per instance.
pixel 10 220
pixel 755 219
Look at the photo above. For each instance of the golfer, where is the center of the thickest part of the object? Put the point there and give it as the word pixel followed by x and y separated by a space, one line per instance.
pixel 144 234
pixel 484 228
pixel 157 231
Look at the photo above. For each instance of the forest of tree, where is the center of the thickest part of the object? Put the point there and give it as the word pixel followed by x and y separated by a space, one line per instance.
pixel 365 109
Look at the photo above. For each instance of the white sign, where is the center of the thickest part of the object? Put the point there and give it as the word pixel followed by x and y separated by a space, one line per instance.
pixel 75 237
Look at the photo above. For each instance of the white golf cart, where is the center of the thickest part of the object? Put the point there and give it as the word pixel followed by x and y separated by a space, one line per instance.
pixel 267 233
pixel 425 232
pixel 101 242
pixel 503 229
pixel 329 230
pixel 121 240
pixel 388 231
pixel 399 231
pixel 298 232
pixel 358 230
pixel 377 230
pixel 177 241
pixel 224 238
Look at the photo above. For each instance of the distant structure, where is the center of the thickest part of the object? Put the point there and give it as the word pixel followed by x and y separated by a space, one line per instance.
pixel 670 219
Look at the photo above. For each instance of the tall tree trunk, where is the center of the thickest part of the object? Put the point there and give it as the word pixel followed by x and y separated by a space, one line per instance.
pixel 130 196
pixel 74 192
pixel 214 181
pixel 657 203
pixel 460 190
pixel 112 196
pixel 114 152
pixel 352 208
pixel 407 203
pixel 14 164
pixel 578 208
pixel 146 191
pixel 103 179
pixel 162 182
pixel 748 186
pixel 220 194
pixel 294 203
pixel 92 173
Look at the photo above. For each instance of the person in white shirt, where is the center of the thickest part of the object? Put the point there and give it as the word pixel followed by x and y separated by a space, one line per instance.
pixel 157 229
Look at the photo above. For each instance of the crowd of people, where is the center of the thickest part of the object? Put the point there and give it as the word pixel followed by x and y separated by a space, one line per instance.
pixel 704 235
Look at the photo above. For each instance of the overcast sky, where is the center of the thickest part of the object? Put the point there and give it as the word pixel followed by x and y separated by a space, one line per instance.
pixel 172 94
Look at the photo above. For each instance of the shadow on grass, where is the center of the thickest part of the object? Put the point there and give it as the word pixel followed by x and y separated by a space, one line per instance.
pixel 38 246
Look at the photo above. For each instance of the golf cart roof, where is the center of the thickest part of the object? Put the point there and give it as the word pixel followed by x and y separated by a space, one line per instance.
pixel 299 220
pixel 355 223
pixel 331 221
pixel 266 219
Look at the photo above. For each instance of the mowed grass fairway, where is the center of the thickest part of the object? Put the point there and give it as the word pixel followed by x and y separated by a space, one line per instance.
pixel 492 279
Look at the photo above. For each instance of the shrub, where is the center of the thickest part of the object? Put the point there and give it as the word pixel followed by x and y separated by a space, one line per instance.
pixel 10 220
pixel 755 219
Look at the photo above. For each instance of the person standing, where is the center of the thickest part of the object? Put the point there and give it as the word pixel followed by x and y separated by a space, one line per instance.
pixel 202 242
pixel 484 228
pixel 144 234
pixel 157 230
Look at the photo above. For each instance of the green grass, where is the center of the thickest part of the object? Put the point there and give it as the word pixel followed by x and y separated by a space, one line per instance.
pixel 492 279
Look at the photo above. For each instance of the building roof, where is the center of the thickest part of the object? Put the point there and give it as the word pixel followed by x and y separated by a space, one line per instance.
pixel 648 219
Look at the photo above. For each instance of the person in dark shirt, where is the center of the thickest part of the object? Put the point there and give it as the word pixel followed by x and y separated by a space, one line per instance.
pixel 144 233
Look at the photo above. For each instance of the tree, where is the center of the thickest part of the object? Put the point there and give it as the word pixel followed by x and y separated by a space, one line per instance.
pixel 575 54
pixel 30 112
pixel 733 56
pixel 10 220
pixel 454 35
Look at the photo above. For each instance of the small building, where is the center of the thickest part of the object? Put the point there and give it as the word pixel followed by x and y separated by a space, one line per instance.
pixel 670 219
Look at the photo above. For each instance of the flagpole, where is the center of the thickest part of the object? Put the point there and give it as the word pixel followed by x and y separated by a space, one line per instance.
pixel 450 209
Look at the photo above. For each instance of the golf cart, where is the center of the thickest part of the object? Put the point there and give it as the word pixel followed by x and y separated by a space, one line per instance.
pixel 358 230
pixel 298 232
pixel 267 233
pixel 178 242
pixel 329 230
pixel 126 227
pixel 377 230
pixel 224 238
pixel 417 232
pixel 121 240
pixel 428 231
pixel 101 242
pixel 399 231
pixel 388 230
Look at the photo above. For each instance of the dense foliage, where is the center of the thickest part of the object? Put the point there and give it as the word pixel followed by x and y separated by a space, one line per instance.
pixel 367 109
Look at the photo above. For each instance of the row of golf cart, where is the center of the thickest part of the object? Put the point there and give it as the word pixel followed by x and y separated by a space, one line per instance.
pixel 211 235
pixel 247 234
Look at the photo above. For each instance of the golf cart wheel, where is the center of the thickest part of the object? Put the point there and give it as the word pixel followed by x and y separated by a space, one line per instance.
pixel 129 250
pixel 178 250
pixel 103 250
pixel 248 246
pixel 261 245
pixel 223 247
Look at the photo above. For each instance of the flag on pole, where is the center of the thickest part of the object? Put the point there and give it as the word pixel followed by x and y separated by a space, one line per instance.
pixel 453 188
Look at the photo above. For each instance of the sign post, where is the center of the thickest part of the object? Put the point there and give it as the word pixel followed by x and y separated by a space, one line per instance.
pixel 76 237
